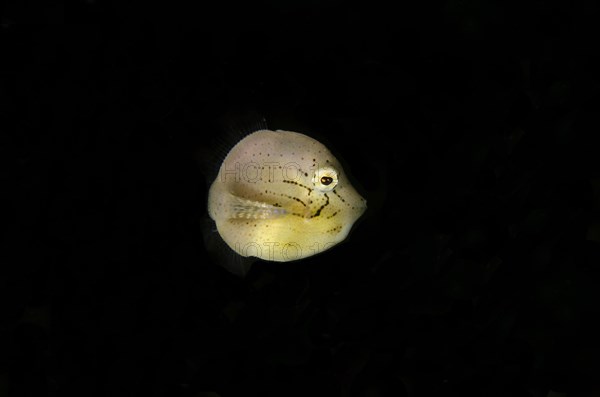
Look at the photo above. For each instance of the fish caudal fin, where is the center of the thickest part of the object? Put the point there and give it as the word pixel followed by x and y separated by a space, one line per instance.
pixel 221 253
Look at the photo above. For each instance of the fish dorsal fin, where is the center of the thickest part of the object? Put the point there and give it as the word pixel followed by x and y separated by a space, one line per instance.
pixel 230 129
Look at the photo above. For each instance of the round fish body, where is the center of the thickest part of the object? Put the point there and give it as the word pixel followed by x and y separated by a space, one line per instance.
pixel 282 196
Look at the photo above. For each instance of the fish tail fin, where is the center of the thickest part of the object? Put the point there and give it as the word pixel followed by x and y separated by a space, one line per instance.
pixel 221 253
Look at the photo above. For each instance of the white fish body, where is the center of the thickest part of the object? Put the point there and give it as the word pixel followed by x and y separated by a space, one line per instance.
pixel 282 196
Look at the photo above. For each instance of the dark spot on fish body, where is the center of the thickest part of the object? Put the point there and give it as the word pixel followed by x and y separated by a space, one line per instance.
pixel 298 184
pixel 340 197
pixel 335 229
pixel 288 196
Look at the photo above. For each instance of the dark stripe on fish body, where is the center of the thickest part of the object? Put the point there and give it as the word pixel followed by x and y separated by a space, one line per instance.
pixel 340 197
pixel 298 184
pixel 321 208
pixel 285 195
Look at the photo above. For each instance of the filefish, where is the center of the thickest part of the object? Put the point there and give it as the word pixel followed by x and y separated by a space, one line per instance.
pixel 281 196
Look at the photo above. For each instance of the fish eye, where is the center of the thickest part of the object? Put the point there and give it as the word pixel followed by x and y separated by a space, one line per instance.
pixel 325 179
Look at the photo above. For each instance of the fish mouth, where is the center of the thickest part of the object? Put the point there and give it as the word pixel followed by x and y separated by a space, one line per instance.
pixel 363 202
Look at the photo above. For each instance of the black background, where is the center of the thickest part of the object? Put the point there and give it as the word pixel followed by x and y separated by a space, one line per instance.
pixel 469 126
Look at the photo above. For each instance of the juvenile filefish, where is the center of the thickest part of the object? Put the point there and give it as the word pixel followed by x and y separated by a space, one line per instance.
pixel 282 196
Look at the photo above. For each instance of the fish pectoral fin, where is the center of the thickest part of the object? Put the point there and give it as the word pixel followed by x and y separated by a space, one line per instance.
pixel 241 208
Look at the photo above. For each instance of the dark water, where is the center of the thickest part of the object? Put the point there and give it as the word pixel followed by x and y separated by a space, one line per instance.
pixel 469 127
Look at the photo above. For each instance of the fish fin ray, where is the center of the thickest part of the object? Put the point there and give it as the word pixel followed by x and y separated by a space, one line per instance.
pixel 221 254
pixel 241 208
pixel 232 127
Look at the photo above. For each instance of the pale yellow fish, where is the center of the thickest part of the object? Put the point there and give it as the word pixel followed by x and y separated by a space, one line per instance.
pixel 282 196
